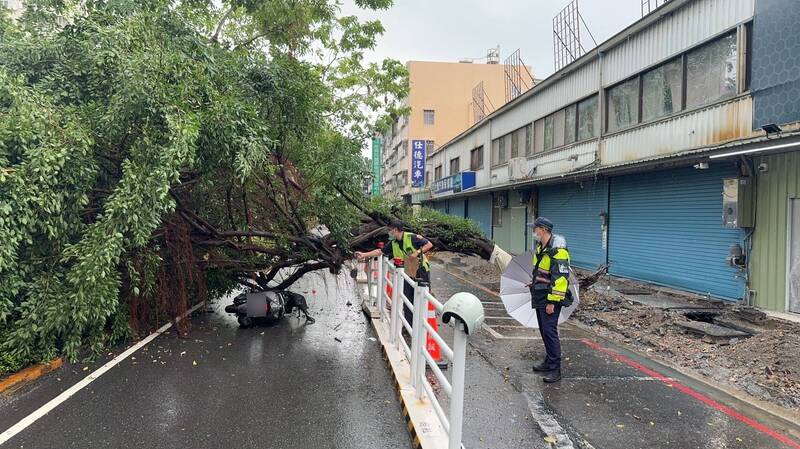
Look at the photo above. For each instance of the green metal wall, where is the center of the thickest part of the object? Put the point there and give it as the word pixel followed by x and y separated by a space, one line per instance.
pixel 511 234
pixel 768 259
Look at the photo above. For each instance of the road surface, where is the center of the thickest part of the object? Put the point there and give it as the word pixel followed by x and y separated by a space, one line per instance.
pixel 293 385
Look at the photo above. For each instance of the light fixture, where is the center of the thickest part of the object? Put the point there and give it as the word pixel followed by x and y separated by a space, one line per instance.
pixel 754 150
pixel 772 128
pixel 701 165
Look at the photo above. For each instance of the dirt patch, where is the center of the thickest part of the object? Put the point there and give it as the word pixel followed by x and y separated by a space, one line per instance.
pixel 766 365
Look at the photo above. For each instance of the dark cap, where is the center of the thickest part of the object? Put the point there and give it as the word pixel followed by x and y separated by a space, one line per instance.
pixel 543 223
pixel 397 224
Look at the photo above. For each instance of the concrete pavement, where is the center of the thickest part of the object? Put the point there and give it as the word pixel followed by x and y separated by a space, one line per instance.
pixel 292 385
pixel 611 398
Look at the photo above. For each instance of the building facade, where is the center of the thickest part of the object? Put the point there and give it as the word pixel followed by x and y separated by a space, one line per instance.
pixel 441 103
pixel 649 155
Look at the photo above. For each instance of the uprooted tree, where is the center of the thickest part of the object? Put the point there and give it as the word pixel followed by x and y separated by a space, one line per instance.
pixel 154 152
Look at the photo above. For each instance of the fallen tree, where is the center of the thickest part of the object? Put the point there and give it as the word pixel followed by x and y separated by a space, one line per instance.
pixel 155 153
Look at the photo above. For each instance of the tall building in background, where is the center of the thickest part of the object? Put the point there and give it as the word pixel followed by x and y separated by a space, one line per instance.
pixel 445 99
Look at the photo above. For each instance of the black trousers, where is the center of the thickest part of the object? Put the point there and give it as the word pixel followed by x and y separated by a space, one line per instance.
pixel 548 328
pixel 408 291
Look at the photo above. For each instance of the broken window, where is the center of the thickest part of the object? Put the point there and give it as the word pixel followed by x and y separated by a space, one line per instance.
pixel 588 119
pixel 548 132
pixel 661 90
pixel 623 104
pixel 711 72
pixel 570 123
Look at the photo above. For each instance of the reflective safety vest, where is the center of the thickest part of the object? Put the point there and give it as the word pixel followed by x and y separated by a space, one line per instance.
pixel 551 273
pixel 408 248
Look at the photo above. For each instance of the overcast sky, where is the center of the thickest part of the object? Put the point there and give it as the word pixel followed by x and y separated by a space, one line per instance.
pixel 448 30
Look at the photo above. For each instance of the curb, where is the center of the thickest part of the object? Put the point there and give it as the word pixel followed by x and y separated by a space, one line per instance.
pixel 28 374
pixel 422 422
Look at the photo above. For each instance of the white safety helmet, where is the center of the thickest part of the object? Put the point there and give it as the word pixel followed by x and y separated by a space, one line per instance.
pixel 466 308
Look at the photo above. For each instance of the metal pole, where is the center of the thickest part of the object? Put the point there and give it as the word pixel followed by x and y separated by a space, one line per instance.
pixel 457 398
pixel 397 302
pixel 368 269
pixel 381 288
pixel 421 314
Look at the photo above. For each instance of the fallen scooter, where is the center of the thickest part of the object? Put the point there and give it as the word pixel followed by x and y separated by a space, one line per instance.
pixel 252 308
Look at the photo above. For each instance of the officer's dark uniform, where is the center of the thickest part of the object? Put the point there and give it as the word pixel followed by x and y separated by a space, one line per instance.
pixel 550 286
pixel 399 249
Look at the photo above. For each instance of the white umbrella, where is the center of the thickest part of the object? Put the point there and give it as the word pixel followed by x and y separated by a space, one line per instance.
pixel 516 294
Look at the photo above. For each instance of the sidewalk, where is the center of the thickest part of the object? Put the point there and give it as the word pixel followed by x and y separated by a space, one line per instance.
pixel 609 398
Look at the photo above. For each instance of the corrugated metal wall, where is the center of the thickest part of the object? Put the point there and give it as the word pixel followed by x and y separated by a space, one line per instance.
pixel 570 88
pixel 768 259
pixel 441 206
pixel 695 22
pixel 666 227
pixel 563 160
pixel 727 121
pixel 575 210
pixel 480 211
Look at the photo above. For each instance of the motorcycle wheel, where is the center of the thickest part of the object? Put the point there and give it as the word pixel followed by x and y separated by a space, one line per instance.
pixel 245 321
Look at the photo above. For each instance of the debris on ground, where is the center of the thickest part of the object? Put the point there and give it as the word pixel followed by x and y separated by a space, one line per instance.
pixel 737 346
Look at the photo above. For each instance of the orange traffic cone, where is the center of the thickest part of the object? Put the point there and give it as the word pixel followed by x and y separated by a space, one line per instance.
pixel 430 344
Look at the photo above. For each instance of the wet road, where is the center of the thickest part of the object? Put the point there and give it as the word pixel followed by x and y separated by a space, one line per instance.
pixel 323 385
pixel 611 398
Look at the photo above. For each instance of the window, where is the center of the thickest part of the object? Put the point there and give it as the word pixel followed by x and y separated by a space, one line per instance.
pixel 661 90
pixel 428 116
pixel 570 123
pixel 429 146
pixel 588 118
pixel 402 178
pixel 538 136
pixel 548 132
pixel 558 128
pixel 514 144
pixel 528 140
pixel 623 104
pixel 711 72
pixel 437 172
pixel 476 159
pixel 455 166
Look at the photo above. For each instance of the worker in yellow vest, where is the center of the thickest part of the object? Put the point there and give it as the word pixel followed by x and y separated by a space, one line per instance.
pixel 405 244
pixel 549 292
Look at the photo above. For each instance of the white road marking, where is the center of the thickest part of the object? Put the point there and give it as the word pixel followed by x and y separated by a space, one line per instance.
pixel 547 422
pixel 58 400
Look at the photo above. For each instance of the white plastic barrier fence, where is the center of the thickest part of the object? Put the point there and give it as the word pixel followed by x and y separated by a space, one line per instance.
pixel 382 273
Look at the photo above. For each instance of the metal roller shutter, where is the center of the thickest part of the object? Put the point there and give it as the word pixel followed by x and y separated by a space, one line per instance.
pixel 575 210
pixel 480 211
pixel 457 208
pixel 666 228
pixel 441 206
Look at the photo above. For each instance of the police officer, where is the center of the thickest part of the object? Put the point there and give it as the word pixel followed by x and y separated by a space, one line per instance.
pixel 549 292
pixel 405 244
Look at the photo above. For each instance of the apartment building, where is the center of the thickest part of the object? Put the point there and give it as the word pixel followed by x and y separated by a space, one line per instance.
pixel 441 103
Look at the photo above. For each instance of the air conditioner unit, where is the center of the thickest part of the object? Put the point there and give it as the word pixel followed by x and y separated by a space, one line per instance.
pixel 517 168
